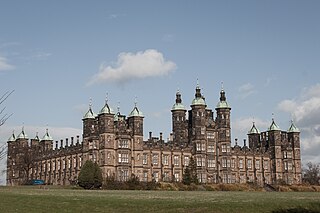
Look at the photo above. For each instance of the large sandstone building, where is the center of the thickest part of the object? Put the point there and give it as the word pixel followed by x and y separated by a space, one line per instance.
pixel 116 143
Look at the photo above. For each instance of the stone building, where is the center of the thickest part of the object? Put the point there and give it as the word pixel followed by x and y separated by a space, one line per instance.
pixel 117 144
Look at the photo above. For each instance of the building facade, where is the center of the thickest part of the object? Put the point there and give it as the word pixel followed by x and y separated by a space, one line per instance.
pixel 116 143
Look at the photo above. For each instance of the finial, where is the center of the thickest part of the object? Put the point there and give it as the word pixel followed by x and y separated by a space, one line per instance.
pixel 221 85
pixel 90 102
pixel 197 83
pixel 22 126
pixel 107 98
pixel 118 107
pixel 135 101
pixel 272 116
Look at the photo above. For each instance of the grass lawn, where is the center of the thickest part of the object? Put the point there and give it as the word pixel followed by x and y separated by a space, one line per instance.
pixel 53 199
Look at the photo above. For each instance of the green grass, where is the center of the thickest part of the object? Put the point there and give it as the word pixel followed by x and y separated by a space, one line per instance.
pixel 53 199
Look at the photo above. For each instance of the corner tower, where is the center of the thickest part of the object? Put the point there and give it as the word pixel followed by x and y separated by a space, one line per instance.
pixel 179 124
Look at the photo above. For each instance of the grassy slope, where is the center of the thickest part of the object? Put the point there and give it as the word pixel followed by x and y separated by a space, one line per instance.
pixel 33 199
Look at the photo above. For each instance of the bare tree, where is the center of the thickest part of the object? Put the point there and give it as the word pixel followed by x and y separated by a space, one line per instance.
pixel 311 174
pixel 4 116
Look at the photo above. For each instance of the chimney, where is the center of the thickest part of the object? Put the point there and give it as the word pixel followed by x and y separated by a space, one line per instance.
pixel 67 142
pixel 56 144
pixel 78 139
pixel 150 135
pixel 244 142
pixel 160 136
pixel 71 141
pixel 61 143
pixel 236 141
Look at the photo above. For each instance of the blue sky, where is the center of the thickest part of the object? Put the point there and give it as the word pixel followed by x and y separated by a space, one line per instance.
pixel 57 55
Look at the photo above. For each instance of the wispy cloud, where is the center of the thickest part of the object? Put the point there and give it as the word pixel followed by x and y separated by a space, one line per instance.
pixel 116 15
pixel 246 90
pixel 132 66
pixel 4 64
pixel 168 38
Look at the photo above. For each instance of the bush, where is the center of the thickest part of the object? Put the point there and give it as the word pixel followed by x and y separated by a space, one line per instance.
pixel 90 176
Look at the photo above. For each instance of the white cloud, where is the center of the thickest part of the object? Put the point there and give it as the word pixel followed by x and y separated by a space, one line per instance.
pixel 305 110
pixel 246 90
pixel 4 65
pixel 131 66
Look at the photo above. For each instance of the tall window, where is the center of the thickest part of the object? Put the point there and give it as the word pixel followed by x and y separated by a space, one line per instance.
pixel 210 148
pixel 198 146
pixel 224 163
pixel 203 147
pixel 166 176
pixel 176 160
pixel 186 160
pixel 241 163
pixel 210 135
pixel 177 177
pixel 156 176
pixel 232 163
pixel 249 163
pixel 228 148
pixel 145 176
pixel 211 163
pixel 265 164
pixel 123 158
pixel 199 161
pixel 223 148
pixel 145 159
pixel 155 159
pixel 165 160
pixel 257 164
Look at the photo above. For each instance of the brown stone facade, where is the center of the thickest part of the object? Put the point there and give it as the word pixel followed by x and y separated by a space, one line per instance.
pixel 115 142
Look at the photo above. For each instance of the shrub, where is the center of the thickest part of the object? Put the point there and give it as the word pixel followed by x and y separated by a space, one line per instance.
pixel 90 176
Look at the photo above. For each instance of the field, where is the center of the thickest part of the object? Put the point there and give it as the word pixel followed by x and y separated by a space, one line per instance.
pixel 35 199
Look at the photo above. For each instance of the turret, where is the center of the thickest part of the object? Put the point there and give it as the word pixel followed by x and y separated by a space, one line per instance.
pixel 135 121
pixel 197 116
pixel 254 137
pixel 294 140
pixel 106 119
pixel 22 139
pixel 274 137
pixel 179 125
pixel 223 118
pixel 47 142
pixel 89 122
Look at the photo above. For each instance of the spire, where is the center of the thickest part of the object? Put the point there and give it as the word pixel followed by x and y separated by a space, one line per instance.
pixel 293 128
pixel 178 105
pixel 254 129
pixel 178 97
pixel 37 137
pixel 136 112
pixel 47 136
pixel 106 109
pixel 198 100
pixel 273 125
pixel 90 114
pixel 22 135
pixel 12 137
pixel 198 90
pixel 223 100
